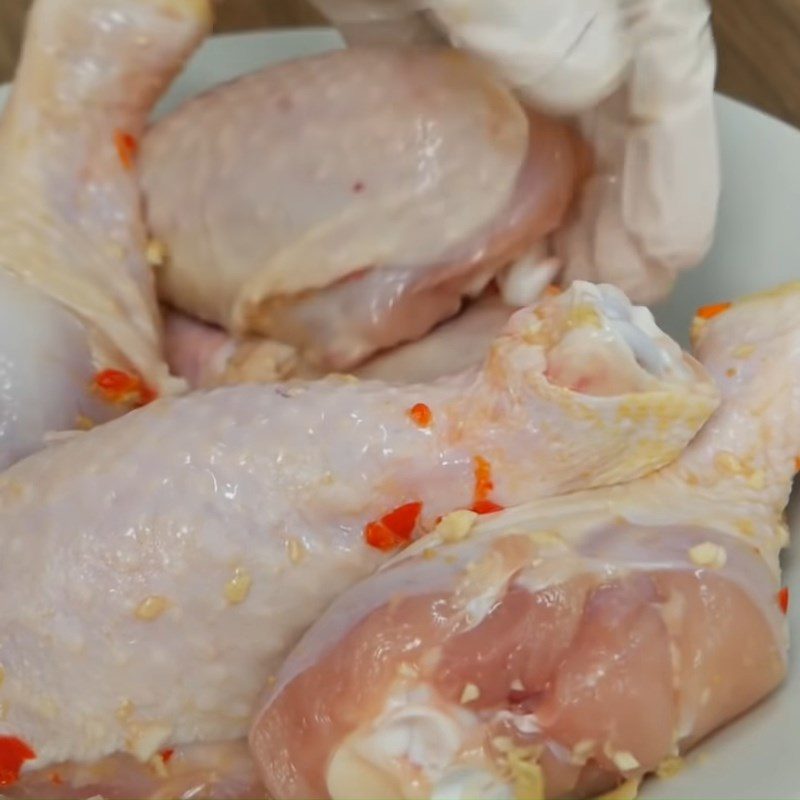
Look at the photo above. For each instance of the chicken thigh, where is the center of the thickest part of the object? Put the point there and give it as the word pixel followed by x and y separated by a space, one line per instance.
pixel 76 292
pixel 347 202
pixel 156 568
pixel 571 644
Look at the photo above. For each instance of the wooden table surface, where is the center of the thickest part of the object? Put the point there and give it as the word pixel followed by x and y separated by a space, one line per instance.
pixel 758 42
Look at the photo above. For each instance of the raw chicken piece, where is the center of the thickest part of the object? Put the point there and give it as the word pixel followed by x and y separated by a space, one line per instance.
pixel 562 647
pixel 72 241
pixel 299 204
pixel 155 568
pixel 455 345
pixel 206 356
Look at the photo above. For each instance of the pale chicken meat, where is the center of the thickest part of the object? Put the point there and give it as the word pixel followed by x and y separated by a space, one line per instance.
pixel 455 345
pixel 207 356
pixel 76 291
pixel 347 202
pixel 158 567
pixel 574 643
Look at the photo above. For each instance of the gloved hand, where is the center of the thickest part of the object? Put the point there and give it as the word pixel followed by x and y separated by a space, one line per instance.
pixel 638 77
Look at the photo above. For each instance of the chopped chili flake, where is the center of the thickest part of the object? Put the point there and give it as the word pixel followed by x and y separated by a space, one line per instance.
pixel 483 478
pixel 127 147
pixel 481 504
pixel 783 599
pixel 380 537
pixel 707 312
pixel 358 186
pixel 116 386
pixel 797 464
pixel 13 754
pixel 166 755
pixel 486 507
pixel 393 529
pixel 421 414
pixel 403 519
pixel 56 779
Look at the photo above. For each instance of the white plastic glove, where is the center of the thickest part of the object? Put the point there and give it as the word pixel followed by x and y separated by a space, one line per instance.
pixel 638 75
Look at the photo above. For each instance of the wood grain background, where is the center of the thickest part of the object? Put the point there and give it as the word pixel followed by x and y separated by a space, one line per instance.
pixel 758 42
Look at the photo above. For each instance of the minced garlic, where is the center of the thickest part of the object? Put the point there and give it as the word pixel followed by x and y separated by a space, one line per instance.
pixel 296 550
pixel 670 767
pixel 151 608
pixel 471 692
pixel 708 554
pixel 746 526
pixel 728 463
pixel 456 525
pixel 83 423
pixel 156 253
pixel 146 740
pixel 744 351
pixel 582 750
pixel 625 761
pixel 238 587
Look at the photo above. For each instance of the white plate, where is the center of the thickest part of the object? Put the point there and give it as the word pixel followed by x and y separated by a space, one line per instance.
pixel 757 246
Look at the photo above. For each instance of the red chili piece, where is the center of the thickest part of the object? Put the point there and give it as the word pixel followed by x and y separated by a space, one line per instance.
pixel 13 754
pixel 393 529
pixel 713 310
pixel 486 507
pixel 421 415
pixel 116 386
pixel 783 600
pixel 127 147
pixel 484 485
